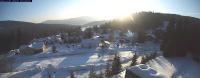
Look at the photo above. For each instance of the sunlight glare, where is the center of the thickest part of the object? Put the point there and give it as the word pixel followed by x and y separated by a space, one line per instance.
pixel 109 9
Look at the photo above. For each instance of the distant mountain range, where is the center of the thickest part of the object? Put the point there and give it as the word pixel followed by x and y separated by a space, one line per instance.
pixel 84 20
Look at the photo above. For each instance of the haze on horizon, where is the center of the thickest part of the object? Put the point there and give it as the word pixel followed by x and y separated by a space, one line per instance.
pixel 42 10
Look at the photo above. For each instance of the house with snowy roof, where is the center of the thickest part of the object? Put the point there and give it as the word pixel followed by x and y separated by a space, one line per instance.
pixel 142 71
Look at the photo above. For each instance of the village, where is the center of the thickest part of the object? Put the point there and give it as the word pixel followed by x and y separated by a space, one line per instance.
pixel 99 39
pixel 73 53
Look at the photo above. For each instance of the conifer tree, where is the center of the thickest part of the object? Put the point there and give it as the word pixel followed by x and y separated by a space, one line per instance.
pixel 143 60
pixel 134 60
pixel 116 65
pixel 92 74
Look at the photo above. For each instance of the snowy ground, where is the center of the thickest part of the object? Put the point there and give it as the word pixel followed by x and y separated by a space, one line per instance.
pixel 82 60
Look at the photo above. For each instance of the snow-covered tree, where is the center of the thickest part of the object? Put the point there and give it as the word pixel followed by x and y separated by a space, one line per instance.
pixel 116 65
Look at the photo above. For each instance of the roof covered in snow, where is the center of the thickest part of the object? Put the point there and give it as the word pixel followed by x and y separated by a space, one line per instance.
pixel 144 71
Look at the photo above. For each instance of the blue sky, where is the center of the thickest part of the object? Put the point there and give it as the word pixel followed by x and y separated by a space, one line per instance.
pixel 41 10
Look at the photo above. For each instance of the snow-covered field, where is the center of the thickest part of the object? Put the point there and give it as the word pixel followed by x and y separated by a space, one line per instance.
pixel 80 60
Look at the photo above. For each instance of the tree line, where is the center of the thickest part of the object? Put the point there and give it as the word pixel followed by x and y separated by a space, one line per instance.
pixel 15 33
